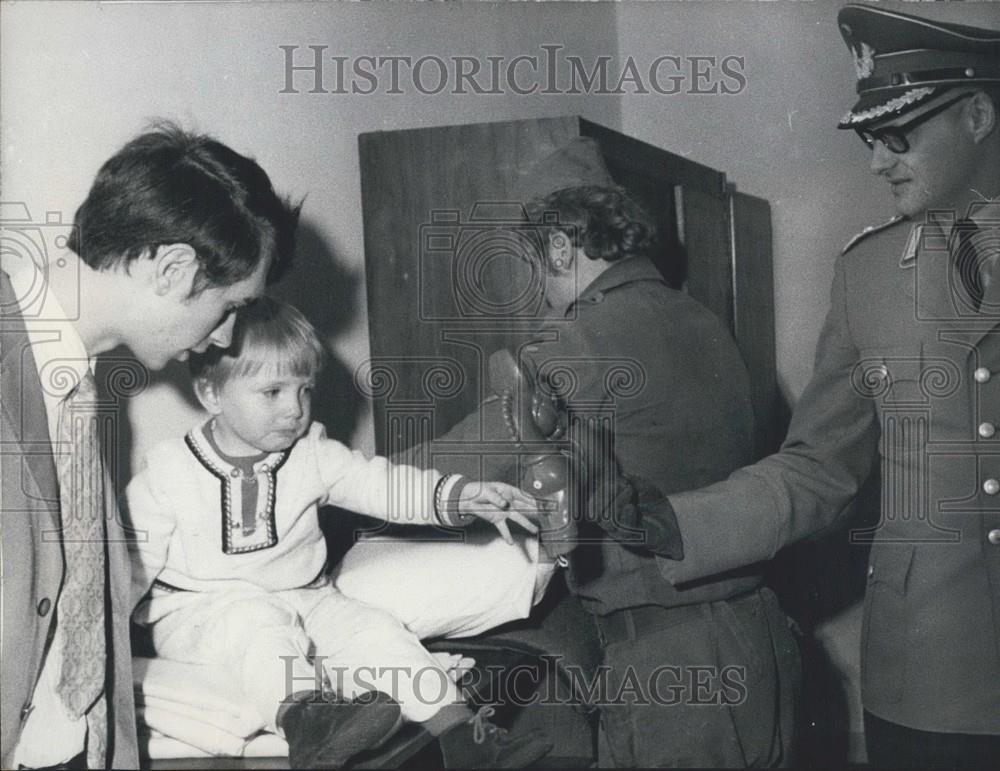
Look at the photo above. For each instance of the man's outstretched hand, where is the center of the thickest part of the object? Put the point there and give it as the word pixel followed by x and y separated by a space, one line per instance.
pixel 629 509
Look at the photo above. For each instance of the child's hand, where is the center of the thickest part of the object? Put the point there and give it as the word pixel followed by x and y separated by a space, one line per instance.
pixel 497 502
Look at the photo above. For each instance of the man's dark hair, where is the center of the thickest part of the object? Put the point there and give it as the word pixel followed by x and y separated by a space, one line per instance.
pixel 170 186
pixel 605 221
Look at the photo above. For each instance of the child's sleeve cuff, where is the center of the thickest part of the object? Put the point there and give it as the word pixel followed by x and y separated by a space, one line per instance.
pixel 447 493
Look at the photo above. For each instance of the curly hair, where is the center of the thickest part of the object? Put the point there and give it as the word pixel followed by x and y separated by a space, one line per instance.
pixel 604 221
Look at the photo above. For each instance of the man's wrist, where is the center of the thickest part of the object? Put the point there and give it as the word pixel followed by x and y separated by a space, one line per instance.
pixel 639 509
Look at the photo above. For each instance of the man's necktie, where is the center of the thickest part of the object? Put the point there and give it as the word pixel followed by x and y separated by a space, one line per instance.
pixel 968 262
pixel 81 607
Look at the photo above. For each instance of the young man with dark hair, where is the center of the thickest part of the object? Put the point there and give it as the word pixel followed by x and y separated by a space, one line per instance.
pixel 167 183
pixel 177 232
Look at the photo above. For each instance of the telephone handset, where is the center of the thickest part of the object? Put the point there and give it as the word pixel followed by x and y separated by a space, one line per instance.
pixel 535 418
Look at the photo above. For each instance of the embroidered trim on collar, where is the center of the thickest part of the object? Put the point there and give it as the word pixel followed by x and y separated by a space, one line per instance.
pixel 234 539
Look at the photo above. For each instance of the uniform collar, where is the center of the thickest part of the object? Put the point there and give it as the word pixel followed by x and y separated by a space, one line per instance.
pixel 935 288
pixel 931 233
pixel 909 256
pixel 620 273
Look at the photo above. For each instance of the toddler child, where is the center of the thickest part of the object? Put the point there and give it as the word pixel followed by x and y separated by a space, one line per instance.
pixel 229 567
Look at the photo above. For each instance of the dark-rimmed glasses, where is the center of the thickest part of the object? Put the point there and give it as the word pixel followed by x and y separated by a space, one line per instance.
pixel 894 137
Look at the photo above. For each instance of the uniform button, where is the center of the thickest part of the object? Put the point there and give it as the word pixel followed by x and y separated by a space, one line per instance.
pixel 871 570
pixel 44 606
pixel 986 430
pixel 26 710
pixel 982 375
pixel 994 536
pixel 881 372
pixel 991 487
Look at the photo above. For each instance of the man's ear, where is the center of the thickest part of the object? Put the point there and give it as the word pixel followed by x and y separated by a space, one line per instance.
pixel 561 252
pixel 982 116
pixel 208 395
pixel 175 267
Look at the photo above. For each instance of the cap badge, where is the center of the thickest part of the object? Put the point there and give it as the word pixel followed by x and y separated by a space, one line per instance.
pixel 864 61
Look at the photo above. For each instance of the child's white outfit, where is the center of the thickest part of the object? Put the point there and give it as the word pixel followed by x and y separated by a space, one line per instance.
pixel 236 560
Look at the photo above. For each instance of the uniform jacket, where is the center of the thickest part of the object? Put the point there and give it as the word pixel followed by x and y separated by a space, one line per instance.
pixel 33 570
pixel 906 373
pixel 671 378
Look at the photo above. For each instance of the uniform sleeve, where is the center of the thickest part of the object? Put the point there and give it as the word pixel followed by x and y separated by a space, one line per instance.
pixel 373 486
pixel 150 516
pixel 800 490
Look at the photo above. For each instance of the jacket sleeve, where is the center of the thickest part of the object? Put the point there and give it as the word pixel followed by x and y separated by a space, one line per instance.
pixel 800 490
pixel 150 517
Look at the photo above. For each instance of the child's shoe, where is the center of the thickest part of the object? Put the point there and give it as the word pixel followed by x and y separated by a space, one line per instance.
pixel 325 734
pixel 479 743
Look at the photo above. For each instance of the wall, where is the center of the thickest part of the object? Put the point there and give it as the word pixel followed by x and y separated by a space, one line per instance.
pixel 777 138
pixel 80 79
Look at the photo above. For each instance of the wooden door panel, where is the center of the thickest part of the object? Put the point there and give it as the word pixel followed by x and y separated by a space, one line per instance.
pixel 436 311
pixel 707 241
pixel 754 313
pixel 445 289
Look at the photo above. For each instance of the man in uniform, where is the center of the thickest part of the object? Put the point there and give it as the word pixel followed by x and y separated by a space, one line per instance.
pixel 907 368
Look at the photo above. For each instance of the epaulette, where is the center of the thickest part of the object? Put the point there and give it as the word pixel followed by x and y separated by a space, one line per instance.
pixel 868 231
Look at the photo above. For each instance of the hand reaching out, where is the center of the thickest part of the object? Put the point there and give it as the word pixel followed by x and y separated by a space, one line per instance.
pixel 497 502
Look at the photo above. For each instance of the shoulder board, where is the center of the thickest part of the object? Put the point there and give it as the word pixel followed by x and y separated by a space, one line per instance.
pixel 870 231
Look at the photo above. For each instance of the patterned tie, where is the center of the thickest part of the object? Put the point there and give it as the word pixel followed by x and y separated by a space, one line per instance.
pixel 82 599
pixel 968 261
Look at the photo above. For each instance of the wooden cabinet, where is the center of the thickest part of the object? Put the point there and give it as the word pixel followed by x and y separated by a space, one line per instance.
pixel 441 217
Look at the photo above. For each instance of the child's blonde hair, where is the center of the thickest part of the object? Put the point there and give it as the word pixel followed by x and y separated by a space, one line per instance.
pixel 266 334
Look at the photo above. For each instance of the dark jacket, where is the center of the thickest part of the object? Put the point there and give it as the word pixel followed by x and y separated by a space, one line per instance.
pixel 667 377
pixel 671 377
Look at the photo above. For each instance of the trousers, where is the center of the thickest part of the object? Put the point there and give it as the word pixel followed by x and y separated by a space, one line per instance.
pixel 708 685
pixel 891 745
pixel 274 644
